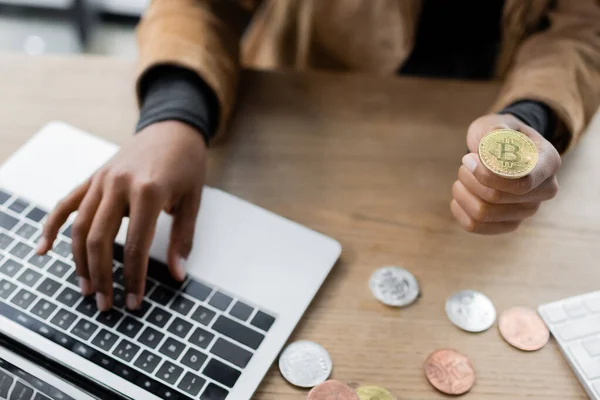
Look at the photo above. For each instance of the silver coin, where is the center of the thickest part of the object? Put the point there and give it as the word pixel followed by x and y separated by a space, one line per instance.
pixel 305 364
pixel 394 286
pixel 471 311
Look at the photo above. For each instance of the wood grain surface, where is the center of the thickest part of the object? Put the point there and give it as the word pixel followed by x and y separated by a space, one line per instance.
pixel 370 162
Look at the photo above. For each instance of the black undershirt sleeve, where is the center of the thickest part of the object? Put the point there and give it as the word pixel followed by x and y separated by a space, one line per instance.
pixel 176 93
pixel 535 114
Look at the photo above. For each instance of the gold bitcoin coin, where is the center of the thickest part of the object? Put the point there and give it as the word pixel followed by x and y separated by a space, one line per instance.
pixel 373 393
pixel 507 153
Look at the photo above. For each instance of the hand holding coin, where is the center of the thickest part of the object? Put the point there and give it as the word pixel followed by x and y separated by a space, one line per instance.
pixel 505 177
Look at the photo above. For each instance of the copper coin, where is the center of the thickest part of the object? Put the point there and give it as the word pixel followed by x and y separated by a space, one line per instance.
pixel 449 372
pixel 523 328
pixel 332 390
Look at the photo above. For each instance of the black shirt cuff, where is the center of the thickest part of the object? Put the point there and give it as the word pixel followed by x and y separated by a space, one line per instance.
pixel 535 114
pixel 176 93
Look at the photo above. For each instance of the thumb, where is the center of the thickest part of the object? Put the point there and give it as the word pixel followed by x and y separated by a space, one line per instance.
pixel 182 233
pixel 481 126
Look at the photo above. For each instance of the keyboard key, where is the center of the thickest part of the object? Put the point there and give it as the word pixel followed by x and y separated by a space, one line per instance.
pixel 68 297
pixel 142 310
pixel 197 290
pixel 590 366
pixel 220 301
pixel 62 248
pixel 105 340
pixel 63 340
pixel 146 383
pixel 68 231
pixel 167 393
pixel 21 250
pixel 73 279
pixel 180 328
pixel 40 396
pixel 160 273
pixel 191 384
pixel 6 381
pixel 88 306
pixel 21 392
pixel 46 331
pixel 592 302
pixel 221 373
pixel 24 299
pixel 125 372
pixel 6 289
pixel 231 352
pixel 118 297
pixel 241 311
pixel 26 231
pixel 214 392
pixel 5 241
pixel 579 328
pixel 104 361
pixel 182 305
pixel 592 345
pixel 59 269
pixel 119 276
pixel 84 351
pixel 169 372
pixel 575 308
pixel 148 361
pixel 10 267
pixel 263 321
pixel 43 309
pixel 39 261
pixel 172 348
pixel 194 359
pixel 18 205
pixel 201 338
pixel 29 277
pixel 64 319
pixel 159 317
pixel 162 295
pixel 7 221
pixel 130 327
pixel 109 318
pixel 4 196
pixel 149 285
pixel 203 315
pixel 49 287
pixel 84 329
pixel 36 214
pixel 238 332
pixel 150 337
pixel 126 350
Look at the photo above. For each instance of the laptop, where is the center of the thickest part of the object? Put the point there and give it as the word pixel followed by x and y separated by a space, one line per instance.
pixel 251 276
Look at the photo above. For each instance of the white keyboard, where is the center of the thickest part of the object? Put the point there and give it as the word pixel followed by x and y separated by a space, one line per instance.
pixel 575 323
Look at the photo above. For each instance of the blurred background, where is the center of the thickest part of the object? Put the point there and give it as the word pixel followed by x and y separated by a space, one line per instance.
pixel 103 27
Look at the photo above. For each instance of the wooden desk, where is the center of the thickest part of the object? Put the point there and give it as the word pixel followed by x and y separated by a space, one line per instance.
pixel 369 161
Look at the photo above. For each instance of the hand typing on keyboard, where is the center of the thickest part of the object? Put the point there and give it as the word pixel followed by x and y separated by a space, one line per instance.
pixel 162 169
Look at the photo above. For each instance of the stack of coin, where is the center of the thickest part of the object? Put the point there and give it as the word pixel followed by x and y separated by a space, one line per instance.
pixel 449 372
pixel 523 328
pixel 508 153
pixel 471 311
pixel 394 286
pixel 305 364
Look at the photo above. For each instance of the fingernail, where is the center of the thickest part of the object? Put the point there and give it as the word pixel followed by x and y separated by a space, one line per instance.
pixel 42 244
pixel 85 286
pixel 180 269
pixel 132 301
pixel 469 162
pixel 101 302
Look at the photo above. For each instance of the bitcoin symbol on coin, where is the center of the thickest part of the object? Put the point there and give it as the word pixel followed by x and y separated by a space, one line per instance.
pixel 509 153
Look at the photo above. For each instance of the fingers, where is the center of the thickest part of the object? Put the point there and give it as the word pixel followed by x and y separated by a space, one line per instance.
pixel 182 234
pixel 547 167
pixel 483 212
pixel 145 206
pixel 546 191
pixel 470 225
pixel 59 215
pixel 99 245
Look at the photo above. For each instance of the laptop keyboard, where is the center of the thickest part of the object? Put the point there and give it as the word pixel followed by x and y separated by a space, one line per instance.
pixel 16 384
pixel 188 340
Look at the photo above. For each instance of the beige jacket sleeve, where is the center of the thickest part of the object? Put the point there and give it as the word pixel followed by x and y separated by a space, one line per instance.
pixel 561 67
pixel 190 34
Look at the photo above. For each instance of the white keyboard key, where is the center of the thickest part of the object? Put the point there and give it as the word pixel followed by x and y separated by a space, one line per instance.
pixel 575 308
pixel 592 302
pixel 590 366
pixel 556 314
pixel 579 328
pixel 592 345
